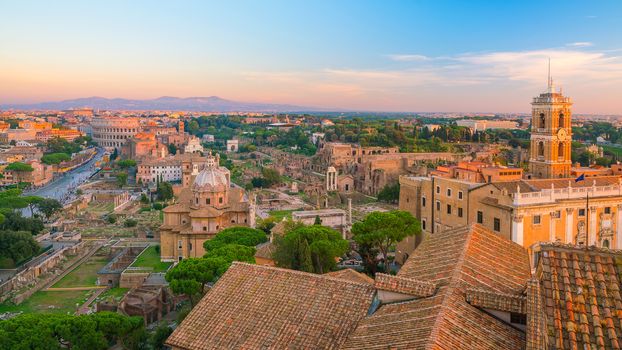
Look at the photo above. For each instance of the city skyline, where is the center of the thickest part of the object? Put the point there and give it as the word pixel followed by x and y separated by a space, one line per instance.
pixel 372 56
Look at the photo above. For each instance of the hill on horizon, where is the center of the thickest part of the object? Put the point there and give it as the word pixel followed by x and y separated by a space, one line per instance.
pixel 195 104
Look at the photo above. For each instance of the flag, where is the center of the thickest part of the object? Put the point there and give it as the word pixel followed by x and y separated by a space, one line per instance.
pixel 580 178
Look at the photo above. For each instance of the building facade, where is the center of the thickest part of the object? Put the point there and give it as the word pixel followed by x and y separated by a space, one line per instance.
pixel 209 205
pixel 113 132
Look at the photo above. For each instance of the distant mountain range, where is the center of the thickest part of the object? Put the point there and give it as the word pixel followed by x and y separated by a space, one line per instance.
pixel 195 104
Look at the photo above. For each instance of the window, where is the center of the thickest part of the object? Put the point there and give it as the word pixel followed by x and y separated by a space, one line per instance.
pixel 536 219
pixel 423 224
pixel 423 202
pixel 448 208
pixel 518 318
pixel 438 205
pixel 497 224
pixel 208 201
pixel 438 189
pixel 220 200
pixel 459 194
pixel 581 212
pixel 449 192
pixel 607 210
pixel 204 228
pixel 459 212
pixel 179 244
pixel 480 217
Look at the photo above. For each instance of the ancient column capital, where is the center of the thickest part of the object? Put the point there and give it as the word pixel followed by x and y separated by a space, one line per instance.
pixel 517 217
pixel 569 211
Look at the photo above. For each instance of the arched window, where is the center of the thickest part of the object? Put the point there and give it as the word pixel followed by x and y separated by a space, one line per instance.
pixel 562 123
pixel 542 121
pixel 560 150
pixel 541 148
pixel 606 243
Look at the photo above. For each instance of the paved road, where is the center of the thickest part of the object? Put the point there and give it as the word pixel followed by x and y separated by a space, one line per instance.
pixel 62 188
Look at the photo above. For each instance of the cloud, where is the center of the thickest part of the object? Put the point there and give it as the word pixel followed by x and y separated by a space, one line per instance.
pixel 409 58
pixel 580 44
pixel 467 79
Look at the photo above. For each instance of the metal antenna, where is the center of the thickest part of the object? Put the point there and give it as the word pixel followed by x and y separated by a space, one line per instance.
pixel 549 74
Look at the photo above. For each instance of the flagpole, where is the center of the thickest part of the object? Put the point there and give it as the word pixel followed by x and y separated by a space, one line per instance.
pixel 587 218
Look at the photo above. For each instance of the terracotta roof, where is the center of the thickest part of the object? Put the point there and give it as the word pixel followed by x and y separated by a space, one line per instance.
pixel 545 184
pixel 455 260
pixel 260 307
pixel 205 212
pixel 404 285
pixel 579 292
pixel 351 275
pixel 265 250
pixel 177 208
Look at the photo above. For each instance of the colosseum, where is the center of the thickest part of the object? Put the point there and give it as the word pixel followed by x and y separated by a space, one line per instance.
pixel 112 132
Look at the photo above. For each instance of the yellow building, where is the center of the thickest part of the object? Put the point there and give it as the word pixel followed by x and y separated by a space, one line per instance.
pixel 209 205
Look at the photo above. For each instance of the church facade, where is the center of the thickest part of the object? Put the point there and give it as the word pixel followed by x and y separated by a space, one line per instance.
pixel 206 204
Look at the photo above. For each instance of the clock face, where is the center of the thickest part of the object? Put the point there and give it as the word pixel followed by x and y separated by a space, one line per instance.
pixel 562 133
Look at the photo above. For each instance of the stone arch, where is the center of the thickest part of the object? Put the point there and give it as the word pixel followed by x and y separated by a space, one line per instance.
pixel 562 120
pixel 542 121
pixel 560 149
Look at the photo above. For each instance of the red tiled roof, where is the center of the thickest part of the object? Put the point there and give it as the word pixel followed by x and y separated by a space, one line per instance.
pixel 455 260
pixel 579 294
pixel 351 275
pixel 260 307
pixel 404 285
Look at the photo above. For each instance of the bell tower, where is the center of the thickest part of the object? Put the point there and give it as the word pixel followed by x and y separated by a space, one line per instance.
pixel 551 134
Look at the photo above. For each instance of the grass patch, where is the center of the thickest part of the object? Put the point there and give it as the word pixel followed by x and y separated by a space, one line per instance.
pixel 50 302
pixel 150 259
pixel 280 214
pixel 113 293
pixel 84 275
pixel 617 151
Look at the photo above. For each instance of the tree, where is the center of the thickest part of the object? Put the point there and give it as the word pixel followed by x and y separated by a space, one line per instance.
pixel 239 235
pixel 390 193
pixel 318 220
pixel 49 206
pixel 14 221
pixel 32 203
pixel 126 163
pixel 20 167
pixel 190 276
pixel 55 331
pixel 55 158
pixel 16 247
pixel 383 230
pixel 130 223
pixel 233 252
pixel 144 199
pixel 324 245
pixel 172 149
pixel 159 337
pixel 121 179
pixel 165 191
pixel 114 155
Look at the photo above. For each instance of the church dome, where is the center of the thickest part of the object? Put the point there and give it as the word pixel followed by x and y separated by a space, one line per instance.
pixel 211 177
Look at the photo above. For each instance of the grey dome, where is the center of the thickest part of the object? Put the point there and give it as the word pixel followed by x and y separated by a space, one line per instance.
pixel 211 177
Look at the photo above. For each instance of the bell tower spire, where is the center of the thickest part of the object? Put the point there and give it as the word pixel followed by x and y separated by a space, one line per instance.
pixel 551 133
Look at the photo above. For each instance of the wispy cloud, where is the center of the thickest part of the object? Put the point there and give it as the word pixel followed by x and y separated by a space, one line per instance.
pixel 409 58
pixel 580 44
pixel 475 75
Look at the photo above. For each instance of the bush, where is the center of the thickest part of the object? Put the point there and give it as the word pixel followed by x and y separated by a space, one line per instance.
pixel 111 219
pixel 130 223
pixel 157 249
pixel 157 206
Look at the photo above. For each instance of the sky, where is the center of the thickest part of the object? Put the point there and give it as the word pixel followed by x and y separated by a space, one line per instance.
pixel 411 56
